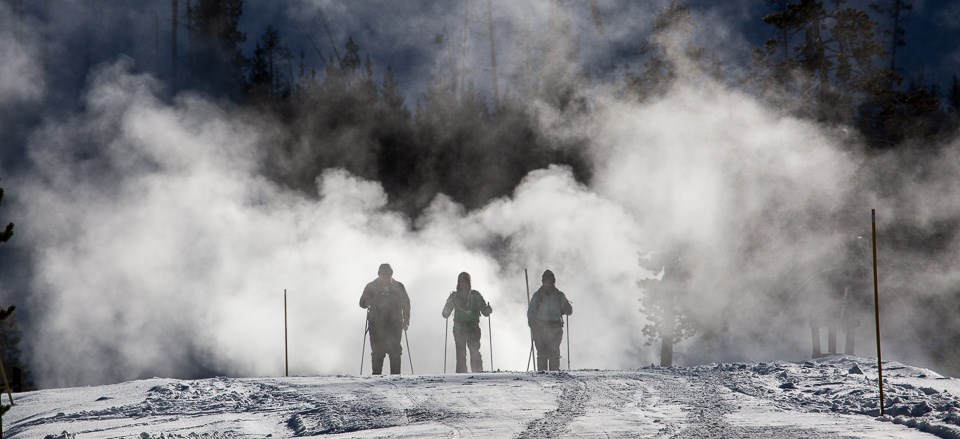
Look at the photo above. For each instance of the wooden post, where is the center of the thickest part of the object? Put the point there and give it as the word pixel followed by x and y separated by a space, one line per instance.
pixel 876 305
pixel 286 351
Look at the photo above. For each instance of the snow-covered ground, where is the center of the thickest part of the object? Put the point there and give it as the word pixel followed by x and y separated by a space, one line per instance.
pixel 834 397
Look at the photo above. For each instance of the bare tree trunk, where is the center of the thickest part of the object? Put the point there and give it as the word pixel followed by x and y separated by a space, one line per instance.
pixel 528 69
pixel 157 63
pixel 463 47
pixel 175 12
pixel 493 55
pixel 453 65
pixel 17 19
pixel 666 336
pixel 896 35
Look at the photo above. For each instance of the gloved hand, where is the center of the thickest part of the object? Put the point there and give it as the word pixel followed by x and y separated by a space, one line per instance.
pixel 486 311
pixel 448 307
pixel 406 324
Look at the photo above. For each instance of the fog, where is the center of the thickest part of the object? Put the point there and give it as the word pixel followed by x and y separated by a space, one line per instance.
pixel 158 246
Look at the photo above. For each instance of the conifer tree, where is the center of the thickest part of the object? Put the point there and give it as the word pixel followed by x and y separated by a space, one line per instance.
pixel 663 301
pixel 673 29
pixel 835 59
pixel 390 91
pixel 215 60
pixel 890 113
pixel 266 77
pixel 895 10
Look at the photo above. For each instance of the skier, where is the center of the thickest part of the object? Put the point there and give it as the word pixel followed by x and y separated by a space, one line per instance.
pixel 469 306
pixel 388 314
pixel 545 318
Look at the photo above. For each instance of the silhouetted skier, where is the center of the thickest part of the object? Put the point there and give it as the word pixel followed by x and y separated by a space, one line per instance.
pixel 388 313
pixel 467 305
pixel 545 317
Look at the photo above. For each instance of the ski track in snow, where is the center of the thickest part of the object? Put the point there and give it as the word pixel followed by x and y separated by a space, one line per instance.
pixel 570 404
pixel 834 397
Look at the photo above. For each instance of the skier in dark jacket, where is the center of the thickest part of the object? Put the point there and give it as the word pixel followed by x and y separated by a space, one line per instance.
pixel 388 314
pixel 467 305
pixel 545 318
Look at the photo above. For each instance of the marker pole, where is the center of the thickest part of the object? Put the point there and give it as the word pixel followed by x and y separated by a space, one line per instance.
pixel 876 305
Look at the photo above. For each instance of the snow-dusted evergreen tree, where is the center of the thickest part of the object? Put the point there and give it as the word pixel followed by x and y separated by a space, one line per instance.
pixel 664 302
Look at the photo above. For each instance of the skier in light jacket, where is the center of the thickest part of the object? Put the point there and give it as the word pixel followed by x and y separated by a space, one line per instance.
pixel 545 318
pixel 467 305
pixel 388 314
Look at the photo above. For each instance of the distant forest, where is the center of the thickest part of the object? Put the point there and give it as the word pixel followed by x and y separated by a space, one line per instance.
pixel 826 61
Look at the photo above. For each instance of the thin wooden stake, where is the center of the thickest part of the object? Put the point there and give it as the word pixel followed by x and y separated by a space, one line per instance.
pixel 286 345
pixel 876 305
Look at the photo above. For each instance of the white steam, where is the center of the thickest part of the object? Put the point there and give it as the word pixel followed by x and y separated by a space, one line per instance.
pixel 166 248
pixel 162 250
pixel 21 75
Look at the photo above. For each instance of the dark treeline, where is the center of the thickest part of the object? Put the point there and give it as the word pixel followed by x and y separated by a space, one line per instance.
pixel 452 140
pixel 838 64
pixel 827 61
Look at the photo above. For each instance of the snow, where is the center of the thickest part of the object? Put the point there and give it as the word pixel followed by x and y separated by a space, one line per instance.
pixel 831 397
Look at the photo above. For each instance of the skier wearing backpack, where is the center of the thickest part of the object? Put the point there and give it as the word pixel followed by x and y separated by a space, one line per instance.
pixel 545 318
pixel 467 305
pixel 388 315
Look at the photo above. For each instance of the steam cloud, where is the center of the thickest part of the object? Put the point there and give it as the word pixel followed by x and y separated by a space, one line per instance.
pixel 21 76
pixel 162 250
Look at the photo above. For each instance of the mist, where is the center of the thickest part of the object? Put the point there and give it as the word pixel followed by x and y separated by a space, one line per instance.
pixel 160 245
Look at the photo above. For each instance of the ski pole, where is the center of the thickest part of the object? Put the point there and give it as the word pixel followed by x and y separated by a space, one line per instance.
pixel 568 342
pixel 490 334
pixel 366 328
pixel 526 279
pixel 409 357
pixel 446 341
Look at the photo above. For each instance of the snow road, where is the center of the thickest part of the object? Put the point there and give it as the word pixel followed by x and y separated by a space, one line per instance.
pixel 829 398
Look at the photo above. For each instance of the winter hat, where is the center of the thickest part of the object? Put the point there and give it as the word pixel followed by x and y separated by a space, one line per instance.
pixel 548 275
pixel 384 269
pixel 464 276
